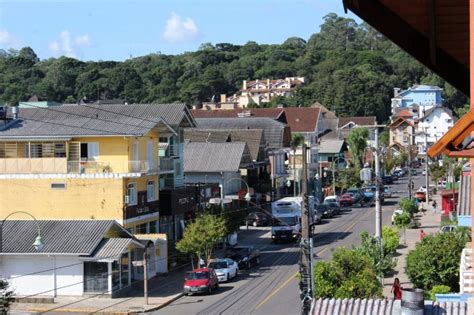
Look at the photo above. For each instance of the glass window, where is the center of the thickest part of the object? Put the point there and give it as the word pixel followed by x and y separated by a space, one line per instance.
pixel 142 228
pixel 95 277
pixel 36 150
pixel 132 193
pixel 151 191
pixel 153 227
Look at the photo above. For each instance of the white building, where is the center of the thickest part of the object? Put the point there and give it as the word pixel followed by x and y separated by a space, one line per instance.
pixel 435 122
pixel 79 257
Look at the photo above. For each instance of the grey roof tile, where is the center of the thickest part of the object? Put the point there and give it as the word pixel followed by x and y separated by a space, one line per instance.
pixel 215 157
pixel 273 131
pixel 59 236
pixel 86 120
pixel 464 207
pixel 331 146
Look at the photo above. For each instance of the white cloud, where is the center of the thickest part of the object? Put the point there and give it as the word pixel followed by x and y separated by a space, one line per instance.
pixel 179 29
pixel 69 45
pixel 7 40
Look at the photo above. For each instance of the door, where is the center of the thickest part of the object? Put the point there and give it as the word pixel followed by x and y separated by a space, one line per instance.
pixel 149 154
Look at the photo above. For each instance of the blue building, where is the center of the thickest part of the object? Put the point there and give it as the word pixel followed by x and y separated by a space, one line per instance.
pixel 425 96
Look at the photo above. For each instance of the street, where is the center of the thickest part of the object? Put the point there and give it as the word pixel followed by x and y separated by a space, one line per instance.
pixel 272 287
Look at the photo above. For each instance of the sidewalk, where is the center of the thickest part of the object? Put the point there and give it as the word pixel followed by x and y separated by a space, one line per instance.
pixel 162 290
pixel 430 224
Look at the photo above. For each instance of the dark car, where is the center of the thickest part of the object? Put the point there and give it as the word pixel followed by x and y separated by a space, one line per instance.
pixel 258 219
pixel 356 193
pixel 326 211
pixel 334 206
pixel 202 280
pixel 245 256
pixel 346 200
pixel 387 180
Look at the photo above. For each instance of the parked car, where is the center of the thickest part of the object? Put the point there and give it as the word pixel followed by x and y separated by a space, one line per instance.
pixel 387 180
pixel 448 228
pixel 202 280
pixel 245 256
pixel 395 213
pixel 415 164
pixel 318 216
pixel 414 172
pixel 225 268
pixel 423 172
pixel 387 192
pixel 356 194
pixel 346 200
pixel 442 183
pixel 333 203
pixel 258 219
pixel 326 211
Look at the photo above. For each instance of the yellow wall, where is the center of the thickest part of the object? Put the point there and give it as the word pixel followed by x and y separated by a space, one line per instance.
pixel 82 198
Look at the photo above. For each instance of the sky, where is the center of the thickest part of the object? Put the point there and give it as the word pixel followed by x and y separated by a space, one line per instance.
pixel 120 29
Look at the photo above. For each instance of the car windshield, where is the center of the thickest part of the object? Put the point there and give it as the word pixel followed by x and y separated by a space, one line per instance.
pixel 283 221
pixel 218 265
pixel 197 275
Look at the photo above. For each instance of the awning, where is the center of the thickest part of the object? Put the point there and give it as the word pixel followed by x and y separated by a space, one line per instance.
pixel 111 249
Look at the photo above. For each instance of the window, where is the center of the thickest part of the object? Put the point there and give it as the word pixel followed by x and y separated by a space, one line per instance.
pixel 163 139
pixel 132 193
pixel 149 154
pixel 151 191
pixel 58 185
pixel 89 151
pixel 36 150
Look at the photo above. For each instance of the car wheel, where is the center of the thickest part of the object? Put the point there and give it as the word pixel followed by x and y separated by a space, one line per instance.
pixel 255 223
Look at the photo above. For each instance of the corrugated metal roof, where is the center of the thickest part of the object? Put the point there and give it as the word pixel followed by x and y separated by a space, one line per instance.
pixel 331 146
pixel 214 157
pixel 273 131
pixel 85 120
pixel 59 236
pixel 113 248
pixel 464 207
pixel 324 306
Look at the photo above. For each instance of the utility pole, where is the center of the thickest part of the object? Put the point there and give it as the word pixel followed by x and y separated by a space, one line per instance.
pixel 145 275
pixel 378 206
pixel 306 244
pixel 427 180
pixel 409 172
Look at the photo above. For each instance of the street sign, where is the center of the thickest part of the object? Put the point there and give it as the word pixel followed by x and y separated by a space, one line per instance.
pixel 138 263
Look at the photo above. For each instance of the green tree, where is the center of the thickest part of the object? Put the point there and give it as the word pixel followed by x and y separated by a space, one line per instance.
pixel 6 297
pixel 384 138
pixel 382 261
pixel 347 178
pixel 435 261
pixel 408 205
pixel 388 161
pixel 391 239
pixel 461 111
pixel 438 289
pixel 350 274
pixel 201 236
pixel 437 172
pixel 402 221
pixel 357 143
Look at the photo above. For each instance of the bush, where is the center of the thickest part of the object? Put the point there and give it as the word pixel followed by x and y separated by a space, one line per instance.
pixel 435 261
pixel 438 289
pixel 391 239
pixel 350 274
pixel 382 262
pixel 6 297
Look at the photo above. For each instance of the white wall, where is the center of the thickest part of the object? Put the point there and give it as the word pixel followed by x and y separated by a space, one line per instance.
pixel 31 275
pixel 436 125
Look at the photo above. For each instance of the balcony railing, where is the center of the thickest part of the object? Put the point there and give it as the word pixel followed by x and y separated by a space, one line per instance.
pixel 63 166
pixel 166 164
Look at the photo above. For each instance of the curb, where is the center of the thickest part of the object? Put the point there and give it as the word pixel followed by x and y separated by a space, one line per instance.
pixel 162 305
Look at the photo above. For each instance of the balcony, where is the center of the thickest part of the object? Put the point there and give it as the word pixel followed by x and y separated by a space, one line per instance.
pixel 63 166
pixel 166 164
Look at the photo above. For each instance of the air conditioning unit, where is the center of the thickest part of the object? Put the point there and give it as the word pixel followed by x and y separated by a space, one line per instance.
pixel 127 199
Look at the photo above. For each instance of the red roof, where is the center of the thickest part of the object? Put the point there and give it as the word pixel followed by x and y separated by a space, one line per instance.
pixel 229 113
pixel 358 120
pixel 302 119
pixel 403 113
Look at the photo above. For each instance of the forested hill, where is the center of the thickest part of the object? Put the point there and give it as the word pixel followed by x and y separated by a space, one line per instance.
pixel 350 68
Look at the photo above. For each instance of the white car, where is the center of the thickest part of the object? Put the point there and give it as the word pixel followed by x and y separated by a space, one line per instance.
pixel 395 213
pixel 225 268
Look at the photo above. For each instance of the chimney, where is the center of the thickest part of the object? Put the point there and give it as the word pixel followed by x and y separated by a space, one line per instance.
pixel 244 85
pixel 224 98
pixel 15 110
pixel 396 92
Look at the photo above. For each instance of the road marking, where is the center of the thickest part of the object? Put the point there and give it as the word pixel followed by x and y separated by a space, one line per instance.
pixel 278 289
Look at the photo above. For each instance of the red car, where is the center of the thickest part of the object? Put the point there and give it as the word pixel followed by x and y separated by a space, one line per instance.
pixel 346 200
pixel 202 280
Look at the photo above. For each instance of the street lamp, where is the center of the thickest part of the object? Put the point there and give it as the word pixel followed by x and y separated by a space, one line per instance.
pixel 38 243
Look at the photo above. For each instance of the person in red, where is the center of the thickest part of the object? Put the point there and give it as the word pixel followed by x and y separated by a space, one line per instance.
pixel 422 234
pixel 397 289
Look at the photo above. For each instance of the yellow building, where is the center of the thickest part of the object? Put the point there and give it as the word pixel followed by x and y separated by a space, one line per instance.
pixel 90 161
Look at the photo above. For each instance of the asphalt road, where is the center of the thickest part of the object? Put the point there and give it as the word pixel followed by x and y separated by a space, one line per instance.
pixel 272 287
